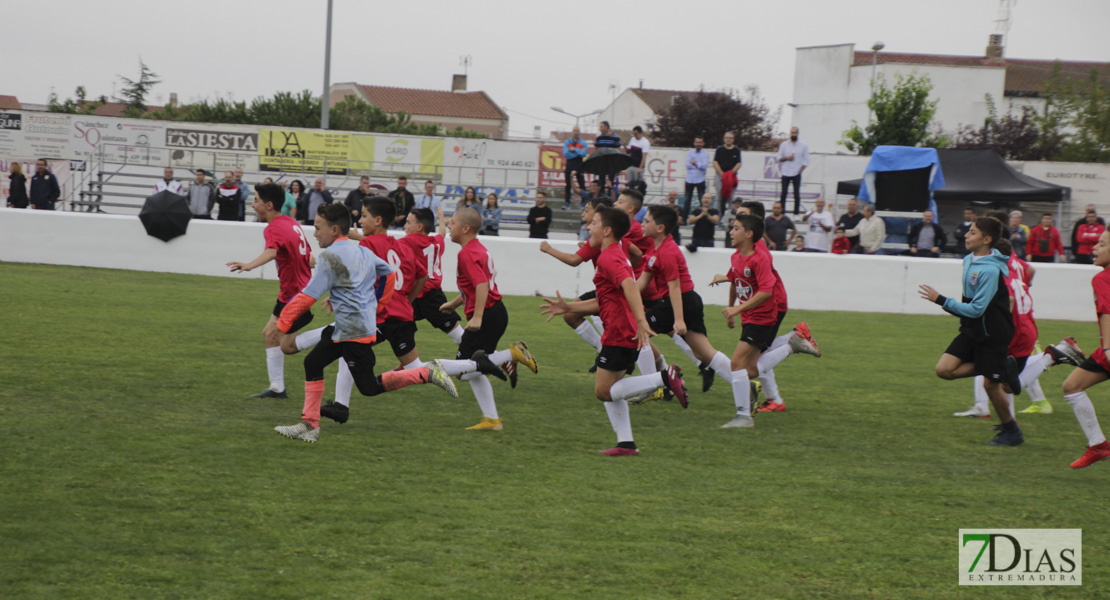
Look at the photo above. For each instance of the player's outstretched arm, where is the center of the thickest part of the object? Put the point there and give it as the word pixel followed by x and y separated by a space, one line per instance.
pixel 267 255
pixel 719 279
pixel 442 221
pixel 567 258
pixel 560 306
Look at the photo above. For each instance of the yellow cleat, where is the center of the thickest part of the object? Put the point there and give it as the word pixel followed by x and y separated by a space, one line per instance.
pixel 520 353
pixel 654 395
pixel 1040 407
pixel 488 423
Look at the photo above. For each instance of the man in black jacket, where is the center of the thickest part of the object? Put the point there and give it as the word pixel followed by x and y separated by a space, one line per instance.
pixel 539 217
pixel 44 187
pixel 926 238
pixel 357 197
pixel 404 201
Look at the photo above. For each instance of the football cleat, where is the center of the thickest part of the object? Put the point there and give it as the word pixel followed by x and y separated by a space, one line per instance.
pixel 1066 352
pixel 520 353
pixel 672 379
pixel 739 422
pixel 707 376
pixel 1012 380
pixel 1007 438
pixel 300 431
pixel 270 393
pixel 510 369
pixel 1039 407
pixel 336 412
pixel 803 330
pixel 771 406
pixel 1094 454
pixel 593 368
pixel 437 376
pixel 656 394
pixel 488 423
pixel 618 451
pixel 486 366
pixel 800 344
pixel 974 411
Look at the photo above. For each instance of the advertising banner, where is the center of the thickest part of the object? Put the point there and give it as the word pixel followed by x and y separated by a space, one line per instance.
pixel 45 135
pixel 489 162
pixel 118 140
pixel 303 151
pixel 224 149
pixel 419 155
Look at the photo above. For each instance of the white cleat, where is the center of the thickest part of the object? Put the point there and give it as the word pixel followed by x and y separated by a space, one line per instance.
pixel 439 377
pixel 973 412
pixel 801 345
pixel 300 431
pixel 741 422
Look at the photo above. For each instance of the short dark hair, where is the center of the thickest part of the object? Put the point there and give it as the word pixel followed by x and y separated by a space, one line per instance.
pixel 615 219
pixel 1049 215
pixel 43 160
pixel 1005 247
pixel 605 123
pixel 403 178
pixel 756 208
pixel 541 193
pixel 664 216
pixel 1002 218
pixel 336 214
pixel 989 227
pixel 366 177
pixel 638 128
pixel 601 201
pixel 637 197
pixel 753 224
pixel 270 193
pixel 425 217
pixel 380 206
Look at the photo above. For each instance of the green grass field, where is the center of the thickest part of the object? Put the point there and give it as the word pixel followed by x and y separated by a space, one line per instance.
pixel 135 466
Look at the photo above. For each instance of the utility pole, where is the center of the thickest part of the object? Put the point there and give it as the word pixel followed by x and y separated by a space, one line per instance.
pixel 325 104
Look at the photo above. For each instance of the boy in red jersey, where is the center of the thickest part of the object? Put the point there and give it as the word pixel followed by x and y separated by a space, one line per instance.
pixel 1096 368
pixel 285 242
pixel 486 316
pixel 418 224
pixel 626 329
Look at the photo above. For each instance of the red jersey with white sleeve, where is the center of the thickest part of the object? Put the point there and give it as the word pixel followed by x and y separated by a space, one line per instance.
pixel 752 274
pixel 635 236
pixel 780 289
pixel 476 267
pixel 406 270
pixel 613 267
pixel 667 264
pixel 1101 284
pixel 590 253
pixel 293 253
pixel 429 249
pixel 1025 327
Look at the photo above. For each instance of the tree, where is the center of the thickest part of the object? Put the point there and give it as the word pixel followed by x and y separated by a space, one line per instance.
pixel 286 109
pixel 901 116
pixel 135 92
pixel 354 114
pixel 710 115
pixel 1083 107
pixel 1014 137
pixel 76 105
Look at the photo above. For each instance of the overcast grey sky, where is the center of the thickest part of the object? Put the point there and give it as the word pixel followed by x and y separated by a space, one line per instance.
pixel 527 55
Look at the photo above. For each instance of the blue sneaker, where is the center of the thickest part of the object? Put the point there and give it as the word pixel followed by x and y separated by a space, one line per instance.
pixel 1007 438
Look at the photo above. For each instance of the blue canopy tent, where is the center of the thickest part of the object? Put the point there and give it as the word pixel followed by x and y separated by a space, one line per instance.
pixel 902 179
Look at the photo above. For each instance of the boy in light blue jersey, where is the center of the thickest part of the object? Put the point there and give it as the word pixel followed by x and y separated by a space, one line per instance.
pixel 350 274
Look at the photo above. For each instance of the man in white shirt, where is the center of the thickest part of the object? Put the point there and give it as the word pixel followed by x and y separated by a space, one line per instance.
pixel 793 159
pixel 871 231
pixel 168 183
pixel 638 147
pixel 428 199
pixel 818 239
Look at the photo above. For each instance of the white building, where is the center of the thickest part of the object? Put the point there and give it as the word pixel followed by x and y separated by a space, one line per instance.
pixel 833 83
pixel 637 106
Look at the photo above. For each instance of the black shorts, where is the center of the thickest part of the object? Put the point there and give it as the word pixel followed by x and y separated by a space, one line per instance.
pixel 778 323
pixel 617 358
pixel 401 336
pixel 1091 365
pixel 494 323
pixel 301 321
pixel 989 362
pixel 590 295
pixel 427 307
pixel 661 316
pixel 759 336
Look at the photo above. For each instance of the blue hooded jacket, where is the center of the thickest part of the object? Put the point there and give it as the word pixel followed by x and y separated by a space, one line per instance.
pixel 984 310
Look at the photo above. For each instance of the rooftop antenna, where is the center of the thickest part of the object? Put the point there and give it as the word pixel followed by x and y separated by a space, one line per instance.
pixel 465 62
pixel 1005 16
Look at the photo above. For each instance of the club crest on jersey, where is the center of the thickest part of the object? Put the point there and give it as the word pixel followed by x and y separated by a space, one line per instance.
pixel 974 277
pixel 743 291
pixel 747 272
pixel 651 262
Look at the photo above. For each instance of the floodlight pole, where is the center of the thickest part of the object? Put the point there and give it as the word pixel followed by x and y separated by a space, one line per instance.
pixel 325 104
pixel 874 61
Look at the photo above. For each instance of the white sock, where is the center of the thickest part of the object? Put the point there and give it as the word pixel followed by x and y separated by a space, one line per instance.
pixel 1013 413
pixel 982 402
pixel 415 364
pixel 483 392
pixel 630 388
pixel 457 367
pixel 770 386
pixel 309 339
pixel 596 320
pixel 741 392
pixel 344 383
pixel 1036 394
pixel 722 366
pixel 682 345
pixel 275 366
pixel 1034 368
pixel 771 358
pixel 781 341
pixel 646 361
pixel 620 419
pixel 589 334
pixel 456 334
pixel 501 357
pixel 1085 414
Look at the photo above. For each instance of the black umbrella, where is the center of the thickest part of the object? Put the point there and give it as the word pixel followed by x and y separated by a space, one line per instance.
pixel 607 161
pixel 165 215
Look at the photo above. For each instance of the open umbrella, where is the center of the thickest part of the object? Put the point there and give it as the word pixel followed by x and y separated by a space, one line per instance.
pixel 607 161
pixel 165 215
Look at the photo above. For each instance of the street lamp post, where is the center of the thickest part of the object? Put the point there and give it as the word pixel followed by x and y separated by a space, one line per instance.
pixel 576 117
pixel 325 104
pixel 874 62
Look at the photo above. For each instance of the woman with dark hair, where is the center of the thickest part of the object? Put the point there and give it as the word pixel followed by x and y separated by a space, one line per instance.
pixel 296 187
pixel 491 216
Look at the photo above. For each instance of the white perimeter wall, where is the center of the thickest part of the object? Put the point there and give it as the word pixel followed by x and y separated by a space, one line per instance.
pixel 813 282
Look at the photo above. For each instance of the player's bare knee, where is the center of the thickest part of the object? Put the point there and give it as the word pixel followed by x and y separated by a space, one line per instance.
pixel 602 393
pixel 1072 386
pixel 289 345
pixel 572 319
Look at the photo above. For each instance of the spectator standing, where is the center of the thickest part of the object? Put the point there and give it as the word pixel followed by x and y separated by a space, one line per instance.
pixel 961 231
pixel 1080 221
pixel 638 148
pixel 1044 241
pixel 357 197
pixel 608 139
pixel 574 150
pixel 871 232
pixel 840 244
pixel 697 163
pixel 727 160
pixel 429 201
pixel 819 238
pixel 850 220
pixel 17 191
pixel 296 187
pixel 289 208
pixel 44 187
pixel 793 159
pixel 317 197
pixel 1019 234
pixel 491 216
pixel 926 238
pixel 168 183
pixel 202 196
pixel 244 194
pixel 539 217
pixel 227 198
pixel 779 229
pixel 404 201
pixel 704 219
pixel 1086 236
pixel 672 201
pixel 469 198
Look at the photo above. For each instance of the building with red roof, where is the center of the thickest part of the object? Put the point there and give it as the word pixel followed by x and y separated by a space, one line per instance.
pixel 474 111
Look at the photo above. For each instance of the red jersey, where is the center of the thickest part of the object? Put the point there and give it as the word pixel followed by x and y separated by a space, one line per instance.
pixel 750 275
pixel 1086 236
pixel 590 253
pixel 293 252
pixel 635 237
pixel 841 245
pixel 1101 285
pixel 476 267
pixel 406 270
pixel 613 267
pixel 780 289
pixel 667 263
pixel 1025 327
pixel 430 248
pixel 1044 242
